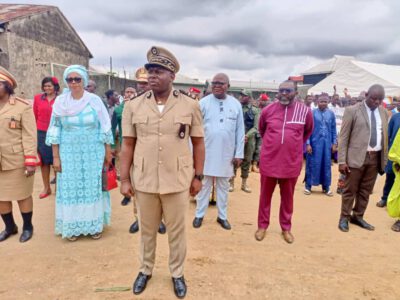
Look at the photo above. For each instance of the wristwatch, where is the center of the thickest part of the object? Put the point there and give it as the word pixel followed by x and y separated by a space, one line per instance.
pixel 199 177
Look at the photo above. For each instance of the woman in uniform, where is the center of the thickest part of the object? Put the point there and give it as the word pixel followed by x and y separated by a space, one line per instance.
pixel 80 135
pixel 18 144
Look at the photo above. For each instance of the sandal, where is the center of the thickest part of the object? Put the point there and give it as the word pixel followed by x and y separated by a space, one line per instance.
pixel 44 195
pixel 396 226
pixel 96 236
pixel 72 238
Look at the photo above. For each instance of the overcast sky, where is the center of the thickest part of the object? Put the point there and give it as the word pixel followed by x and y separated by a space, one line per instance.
pixel 249 40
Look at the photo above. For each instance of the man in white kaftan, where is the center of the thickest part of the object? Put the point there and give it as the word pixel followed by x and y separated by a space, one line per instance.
pixel 224 142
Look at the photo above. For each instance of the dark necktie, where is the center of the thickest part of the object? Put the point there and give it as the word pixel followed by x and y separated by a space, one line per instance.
pixel 372 141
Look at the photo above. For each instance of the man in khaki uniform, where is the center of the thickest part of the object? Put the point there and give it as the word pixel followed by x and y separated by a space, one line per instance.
pixel 156 130
pixel 18 143
pixel 142 86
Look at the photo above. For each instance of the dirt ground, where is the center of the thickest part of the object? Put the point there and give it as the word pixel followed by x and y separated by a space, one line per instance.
pixel 323 263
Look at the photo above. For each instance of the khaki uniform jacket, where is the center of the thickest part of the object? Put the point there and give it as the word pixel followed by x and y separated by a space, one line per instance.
pixel 162 161
pixel 355 133
pixel 18 135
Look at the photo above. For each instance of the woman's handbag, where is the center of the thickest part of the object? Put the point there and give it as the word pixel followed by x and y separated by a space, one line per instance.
pixel 109 178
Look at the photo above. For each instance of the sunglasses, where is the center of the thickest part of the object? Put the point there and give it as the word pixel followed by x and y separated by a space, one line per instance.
pixel 217 83
pixel 73 79
pixel 287 91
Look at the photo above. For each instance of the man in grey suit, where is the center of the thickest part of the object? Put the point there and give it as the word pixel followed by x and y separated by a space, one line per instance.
pixel 363 147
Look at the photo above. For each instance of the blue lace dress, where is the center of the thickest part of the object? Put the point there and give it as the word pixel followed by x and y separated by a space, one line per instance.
pixel 82 208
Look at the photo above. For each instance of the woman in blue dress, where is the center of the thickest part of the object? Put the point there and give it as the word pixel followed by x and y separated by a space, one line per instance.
pixel 80 135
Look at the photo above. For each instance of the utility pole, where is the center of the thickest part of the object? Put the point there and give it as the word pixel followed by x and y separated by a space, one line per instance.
pixel 111 73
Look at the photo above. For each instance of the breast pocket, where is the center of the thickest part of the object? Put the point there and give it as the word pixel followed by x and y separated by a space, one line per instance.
pixel 141 125
pixel 182 126
pixel 231 120
pixel 12 122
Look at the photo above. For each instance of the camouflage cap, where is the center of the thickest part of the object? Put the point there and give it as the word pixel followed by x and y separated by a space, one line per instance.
pixel 245 92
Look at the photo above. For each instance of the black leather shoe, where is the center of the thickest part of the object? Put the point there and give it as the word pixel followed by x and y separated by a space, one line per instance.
pixel 179 287
pixel 212 203
pixel 26 235
pixel 140 283
pixel 162 229
pixel 197 222
pixel 125 201
pixel 224 223
pixel 5 234
pixel 344 224
pixel 134 227
pixel 361 222
pixel 381 203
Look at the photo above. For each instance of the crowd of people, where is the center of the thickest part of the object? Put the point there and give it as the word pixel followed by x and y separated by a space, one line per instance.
pixel 169 145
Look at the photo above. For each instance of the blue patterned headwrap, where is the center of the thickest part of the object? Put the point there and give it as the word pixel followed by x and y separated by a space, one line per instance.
pixel 81 70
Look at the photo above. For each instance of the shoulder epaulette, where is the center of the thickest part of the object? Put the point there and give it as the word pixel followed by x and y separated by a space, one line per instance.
pixel 137 95
pixel 188 94
pixel 22 100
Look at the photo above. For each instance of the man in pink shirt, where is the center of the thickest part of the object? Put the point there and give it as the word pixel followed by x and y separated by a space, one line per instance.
pixel 284 126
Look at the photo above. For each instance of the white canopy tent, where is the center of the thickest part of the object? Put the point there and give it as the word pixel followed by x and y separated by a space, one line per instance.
pixel 358 76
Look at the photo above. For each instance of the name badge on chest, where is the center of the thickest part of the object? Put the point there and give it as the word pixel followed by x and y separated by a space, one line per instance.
pixel 13 123
pixel 182 131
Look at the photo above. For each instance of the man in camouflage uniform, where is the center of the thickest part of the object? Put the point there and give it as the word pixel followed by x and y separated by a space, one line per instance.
pixel 262 102
pixel 250 116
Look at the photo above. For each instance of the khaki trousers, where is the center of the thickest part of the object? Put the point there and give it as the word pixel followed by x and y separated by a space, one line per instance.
pixel 358 185
pixel 151 208
pixel 135 211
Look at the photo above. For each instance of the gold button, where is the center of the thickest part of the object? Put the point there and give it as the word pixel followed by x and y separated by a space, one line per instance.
pixel 160 119
pixel 159 162
pixel 160 133
pixel 160 148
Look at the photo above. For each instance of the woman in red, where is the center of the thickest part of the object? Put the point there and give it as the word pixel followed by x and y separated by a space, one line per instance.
pixel 42 108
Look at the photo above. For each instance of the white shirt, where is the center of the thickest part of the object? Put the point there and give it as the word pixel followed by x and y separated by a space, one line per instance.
pixel 160 107
pixel 378 146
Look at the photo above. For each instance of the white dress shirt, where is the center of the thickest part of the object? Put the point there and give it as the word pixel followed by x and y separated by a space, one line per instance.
pixel 378 146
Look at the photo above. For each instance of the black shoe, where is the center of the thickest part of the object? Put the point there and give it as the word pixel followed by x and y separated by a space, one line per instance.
pixel 381 203
pixel 125 201
pixel 134 227
pixel 26 235
pixel 224 223
pixel 140 283
pixel 212 203
pixel 361 222
pixel 53 181
pixel 162 229
pixel 5 234
pixel 197 222
pixel 344 224
pixel 179 287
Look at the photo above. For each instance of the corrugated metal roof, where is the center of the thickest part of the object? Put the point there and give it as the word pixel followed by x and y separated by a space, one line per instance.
pixel 10 12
